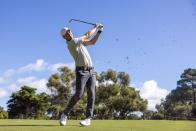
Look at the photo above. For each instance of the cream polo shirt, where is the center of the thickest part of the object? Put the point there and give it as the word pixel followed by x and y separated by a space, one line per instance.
pixel 79 52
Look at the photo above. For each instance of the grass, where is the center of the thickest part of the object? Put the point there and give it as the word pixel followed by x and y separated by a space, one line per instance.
pixel 98 125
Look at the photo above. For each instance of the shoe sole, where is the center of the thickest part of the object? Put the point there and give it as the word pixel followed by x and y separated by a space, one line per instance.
pixel 62 124
pixel 84 125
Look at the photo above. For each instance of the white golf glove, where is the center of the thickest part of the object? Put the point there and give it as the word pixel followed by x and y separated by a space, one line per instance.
pixel 100 28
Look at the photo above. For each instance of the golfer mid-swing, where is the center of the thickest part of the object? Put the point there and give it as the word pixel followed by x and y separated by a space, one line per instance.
pixel 85 74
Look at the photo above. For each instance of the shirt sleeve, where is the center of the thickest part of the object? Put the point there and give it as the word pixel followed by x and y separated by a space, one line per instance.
pixel 79 41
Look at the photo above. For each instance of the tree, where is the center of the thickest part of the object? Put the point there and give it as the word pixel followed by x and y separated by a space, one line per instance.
pixel 123 79
pixel 103 100
pixel 42 105
pixel 147 114
pixel 160 108
pixel 116 100
pixel 193 110
pixel 61 84
pixel 181 111
pixel 188 80
pixel 179 102
pixel 26 104
pixel 3 114
pixel 157 116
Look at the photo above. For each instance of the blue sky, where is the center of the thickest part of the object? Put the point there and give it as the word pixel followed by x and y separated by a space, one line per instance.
pixel 153 41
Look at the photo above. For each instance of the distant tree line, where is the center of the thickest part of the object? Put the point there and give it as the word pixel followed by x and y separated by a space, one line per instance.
pixel 115 99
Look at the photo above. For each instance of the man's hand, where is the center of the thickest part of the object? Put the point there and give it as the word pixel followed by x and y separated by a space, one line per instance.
pixel 87 35
pixel 100 28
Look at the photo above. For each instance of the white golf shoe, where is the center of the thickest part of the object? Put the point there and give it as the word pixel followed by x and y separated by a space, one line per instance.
pixel 63 120
pixel 86 122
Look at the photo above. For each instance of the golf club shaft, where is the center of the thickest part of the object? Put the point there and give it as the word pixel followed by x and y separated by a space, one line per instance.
pixel 82 21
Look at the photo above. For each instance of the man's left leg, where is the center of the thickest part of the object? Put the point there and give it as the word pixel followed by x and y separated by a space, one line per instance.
pixel 90 99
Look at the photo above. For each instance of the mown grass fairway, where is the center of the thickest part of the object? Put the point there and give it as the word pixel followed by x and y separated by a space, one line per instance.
pixel 98 125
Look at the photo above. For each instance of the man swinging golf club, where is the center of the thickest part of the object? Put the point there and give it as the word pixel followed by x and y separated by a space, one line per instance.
pixel 85 74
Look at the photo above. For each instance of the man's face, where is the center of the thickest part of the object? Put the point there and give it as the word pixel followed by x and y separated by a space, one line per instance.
pixel 68 36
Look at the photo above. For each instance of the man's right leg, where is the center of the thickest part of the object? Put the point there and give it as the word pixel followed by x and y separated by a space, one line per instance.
pixel 74 99
pixel 71 103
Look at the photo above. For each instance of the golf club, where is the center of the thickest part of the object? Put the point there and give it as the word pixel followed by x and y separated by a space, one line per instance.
pixel 81 21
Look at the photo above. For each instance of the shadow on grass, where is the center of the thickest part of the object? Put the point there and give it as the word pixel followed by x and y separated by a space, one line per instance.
pixel 42 125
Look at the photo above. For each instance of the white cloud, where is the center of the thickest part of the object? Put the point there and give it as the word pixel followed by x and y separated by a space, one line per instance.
pixel 2 80
pixel 11 79
pixel 13 87
pixel 3 93
pixel 153 93
pixel 9 73
pixel 39 84
pixel 40 65
pixel 54 67
pixel 26 80
pixel 32 81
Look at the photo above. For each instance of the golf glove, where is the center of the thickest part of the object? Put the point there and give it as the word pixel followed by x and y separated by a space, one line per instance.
pixel 100 28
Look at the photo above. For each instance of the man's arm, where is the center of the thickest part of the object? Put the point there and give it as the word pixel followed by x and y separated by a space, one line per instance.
pixel 89 33
pixel 93 40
